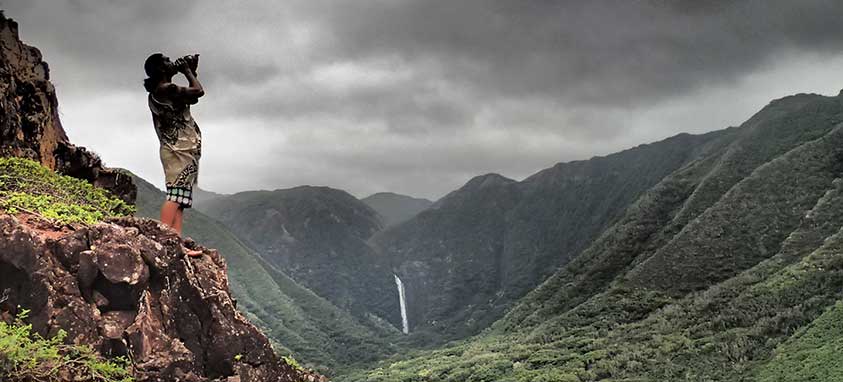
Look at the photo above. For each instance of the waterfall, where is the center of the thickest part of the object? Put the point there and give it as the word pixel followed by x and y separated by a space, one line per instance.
pixel 403 301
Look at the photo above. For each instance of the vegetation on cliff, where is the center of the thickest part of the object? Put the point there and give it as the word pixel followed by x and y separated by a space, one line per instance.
pixel 27 356
pixel 125 287
pixel 27 186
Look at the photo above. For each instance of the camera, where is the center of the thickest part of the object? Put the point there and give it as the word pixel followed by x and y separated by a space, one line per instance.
pixel 192 61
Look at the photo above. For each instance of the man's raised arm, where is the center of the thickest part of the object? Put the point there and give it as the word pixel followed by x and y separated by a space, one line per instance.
pixel 194 88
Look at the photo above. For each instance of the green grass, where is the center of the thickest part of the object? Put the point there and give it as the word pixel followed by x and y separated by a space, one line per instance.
pixel 27 186
pixel 26 356
pixel 292 362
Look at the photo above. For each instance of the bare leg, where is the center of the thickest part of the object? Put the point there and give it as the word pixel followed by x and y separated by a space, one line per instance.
pixel 168 212
pixel 177 224
pixel 177 219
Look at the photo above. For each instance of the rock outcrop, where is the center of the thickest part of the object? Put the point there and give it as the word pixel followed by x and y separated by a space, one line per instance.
pixel 125 287
pixel 29 122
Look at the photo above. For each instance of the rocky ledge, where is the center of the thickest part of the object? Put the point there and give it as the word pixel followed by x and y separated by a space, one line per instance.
pixel 29 120
pixel 125 287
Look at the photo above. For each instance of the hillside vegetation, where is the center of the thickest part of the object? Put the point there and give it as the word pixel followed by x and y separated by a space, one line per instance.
pixel 730 268
pixel 475 252
pixel 316 235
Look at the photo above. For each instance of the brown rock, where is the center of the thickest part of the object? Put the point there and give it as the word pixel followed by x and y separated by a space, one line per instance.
pixel 120 263
pixel 99 300
pixel 114 323
pixel 134 292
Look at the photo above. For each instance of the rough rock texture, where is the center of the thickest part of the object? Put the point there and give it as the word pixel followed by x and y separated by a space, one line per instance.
pixel 29 122
pixel 125 287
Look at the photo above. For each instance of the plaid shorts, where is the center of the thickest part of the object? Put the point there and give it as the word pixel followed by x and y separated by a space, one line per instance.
pixel 181 195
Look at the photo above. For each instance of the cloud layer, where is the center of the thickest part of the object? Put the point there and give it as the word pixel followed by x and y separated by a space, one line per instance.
pixel 418 96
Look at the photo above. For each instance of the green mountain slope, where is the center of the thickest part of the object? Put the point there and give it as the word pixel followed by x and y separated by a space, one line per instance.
pixel 296 319
pixel 813 354
pixel 468 257
pixel 317 236
pixel 728 269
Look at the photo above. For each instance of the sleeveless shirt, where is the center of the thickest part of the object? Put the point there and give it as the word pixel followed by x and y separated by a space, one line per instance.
pixel 180 140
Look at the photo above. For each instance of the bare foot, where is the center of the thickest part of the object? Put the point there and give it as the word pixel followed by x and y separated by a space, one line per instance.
pixel 193 252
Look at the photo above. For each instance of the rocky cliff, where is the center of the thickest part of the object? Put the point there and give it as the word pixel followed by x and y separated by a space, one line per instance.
pixel 125 287
pixel 29 122
pixel 297 321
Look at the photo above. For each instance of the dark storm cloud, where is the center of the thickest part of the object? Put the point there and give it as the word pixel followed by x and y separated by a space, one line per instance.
pixel 240 71
pixel 609 52
pixel 416 96
pixel 103 33
pixel 406 106
pixel 103 42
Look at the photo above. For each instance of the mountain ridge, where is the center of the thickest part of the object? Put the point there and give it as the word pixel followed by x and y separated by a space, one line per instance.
pixel 517 230
pixel 316 234
pixel 395 208
pixel 713 273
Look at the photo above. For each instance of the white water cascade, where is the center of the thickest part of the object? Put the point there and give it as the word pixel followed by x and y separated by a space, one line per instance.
pixel 402 296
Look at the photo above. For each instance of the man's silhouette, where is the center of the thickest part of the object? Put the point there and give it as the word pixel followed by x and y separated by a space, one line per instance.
pixel 178 133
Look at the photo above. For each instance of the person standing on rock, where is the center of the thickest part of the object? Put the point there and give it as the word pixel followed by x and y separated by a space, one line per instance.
pixel 178 133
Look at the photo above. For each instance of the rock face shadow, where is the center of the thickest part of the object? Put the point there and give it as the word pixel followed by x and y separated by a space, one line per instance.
pixel 16 290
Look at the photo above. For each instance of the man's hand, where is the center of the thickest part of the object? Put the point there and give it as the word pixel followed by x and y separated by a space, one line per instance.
pixel 188 64
pixel 182 66
pixel 194 63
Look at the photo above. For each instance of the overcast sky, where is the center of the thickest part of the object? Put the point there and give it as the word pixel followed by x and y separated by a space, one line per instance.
pixel 418 96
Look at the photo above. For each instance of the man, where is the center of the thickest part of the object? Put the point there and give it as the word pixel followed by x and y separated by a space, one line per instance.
pixel 178 133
